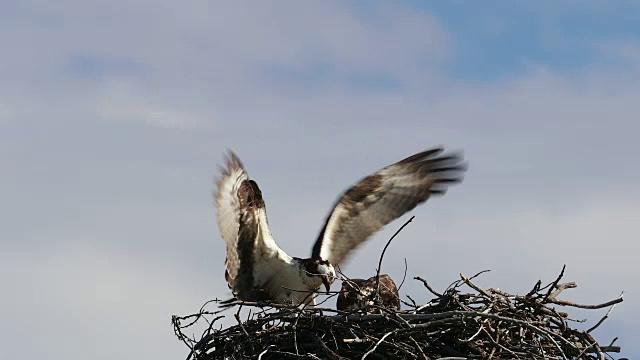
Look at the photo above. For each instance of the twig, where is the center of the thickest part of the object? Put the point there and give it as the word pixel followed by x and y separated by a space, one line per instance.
pixel 474 286
pixel 553 285
pixel 561 287
pixel 384 250
pixel 419 348
pixel 241 324
pixel 606 315
pixel 426 284
pixel 265 351
pixel 465 321
pixel 404 276
pixel 376 345
pixel 585 306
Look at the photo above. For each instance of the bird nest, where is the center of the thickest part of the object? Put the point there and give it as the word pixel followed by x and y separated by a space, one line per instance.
pixel 465 321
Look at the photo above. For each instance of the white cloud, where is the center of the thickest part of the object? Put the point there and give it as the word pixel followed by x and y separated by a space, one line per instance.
pixel 121 102
pixel 198 64
pixel 84 297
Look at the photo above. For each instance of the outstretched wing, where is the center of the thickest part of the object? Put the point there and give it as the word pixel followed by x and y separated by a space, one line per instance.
pixel 384 196
pixel 242 220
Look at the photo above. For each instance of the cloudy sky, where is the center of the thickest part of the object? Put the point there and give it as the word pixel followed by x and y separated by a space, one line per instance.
pixel 115 114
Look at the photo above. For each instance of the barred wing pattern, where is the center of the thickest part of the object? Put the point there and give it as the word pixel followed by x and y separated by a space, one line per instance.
pixel 384 196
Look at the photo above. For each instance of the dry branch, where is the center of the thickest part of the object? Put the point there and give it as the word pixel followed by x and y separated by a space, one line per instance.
pixel 463 322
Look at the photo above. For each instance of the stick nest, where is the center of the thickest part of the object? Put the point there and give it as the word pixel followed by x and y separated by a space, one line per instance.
pixel 465 322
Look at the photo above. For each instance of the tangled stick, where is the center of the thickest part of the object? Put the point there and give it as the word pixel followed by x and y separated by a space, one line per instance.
pixel 465 321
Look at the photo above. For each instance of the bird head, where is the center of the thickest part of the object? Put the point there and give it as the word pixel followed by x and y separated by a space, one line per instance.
pixel 320 271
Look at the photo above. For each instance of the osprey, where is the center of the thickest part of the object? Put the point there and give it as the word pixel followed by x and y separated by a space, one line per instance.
pixel 356 293
pixel 257 269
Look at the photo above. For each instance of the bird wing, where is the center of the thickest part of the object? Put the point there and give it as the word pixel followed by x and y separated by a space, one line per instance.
pixel 242 220
pixel 384 196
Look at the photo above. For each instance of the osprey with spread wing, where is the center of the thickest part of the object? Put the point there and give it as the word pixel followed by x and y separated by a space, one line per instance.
pixel 257 269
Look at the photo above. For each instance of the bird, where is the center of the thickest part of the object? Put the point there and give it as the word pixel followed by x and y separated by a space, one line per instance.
pixel 357 293
pixel 258 270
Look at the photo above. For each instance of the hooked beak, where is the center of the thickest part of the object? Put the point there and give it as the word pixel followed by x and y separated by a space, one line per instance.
pixel 326 283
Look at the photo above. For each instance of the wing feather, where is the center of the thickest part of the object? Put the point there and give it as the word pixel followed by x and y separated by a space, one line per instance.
pixel 242 221
pixel 384 196
pixel 228 211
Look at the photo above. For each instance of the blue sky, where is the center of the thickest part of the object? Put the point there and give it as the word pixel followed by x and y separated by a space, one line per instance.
pixel 502 39
pixel 114 116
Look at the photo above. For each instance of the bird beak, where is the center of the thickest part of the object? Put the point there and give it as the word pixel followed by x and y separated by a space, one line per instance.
pixel 326 283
